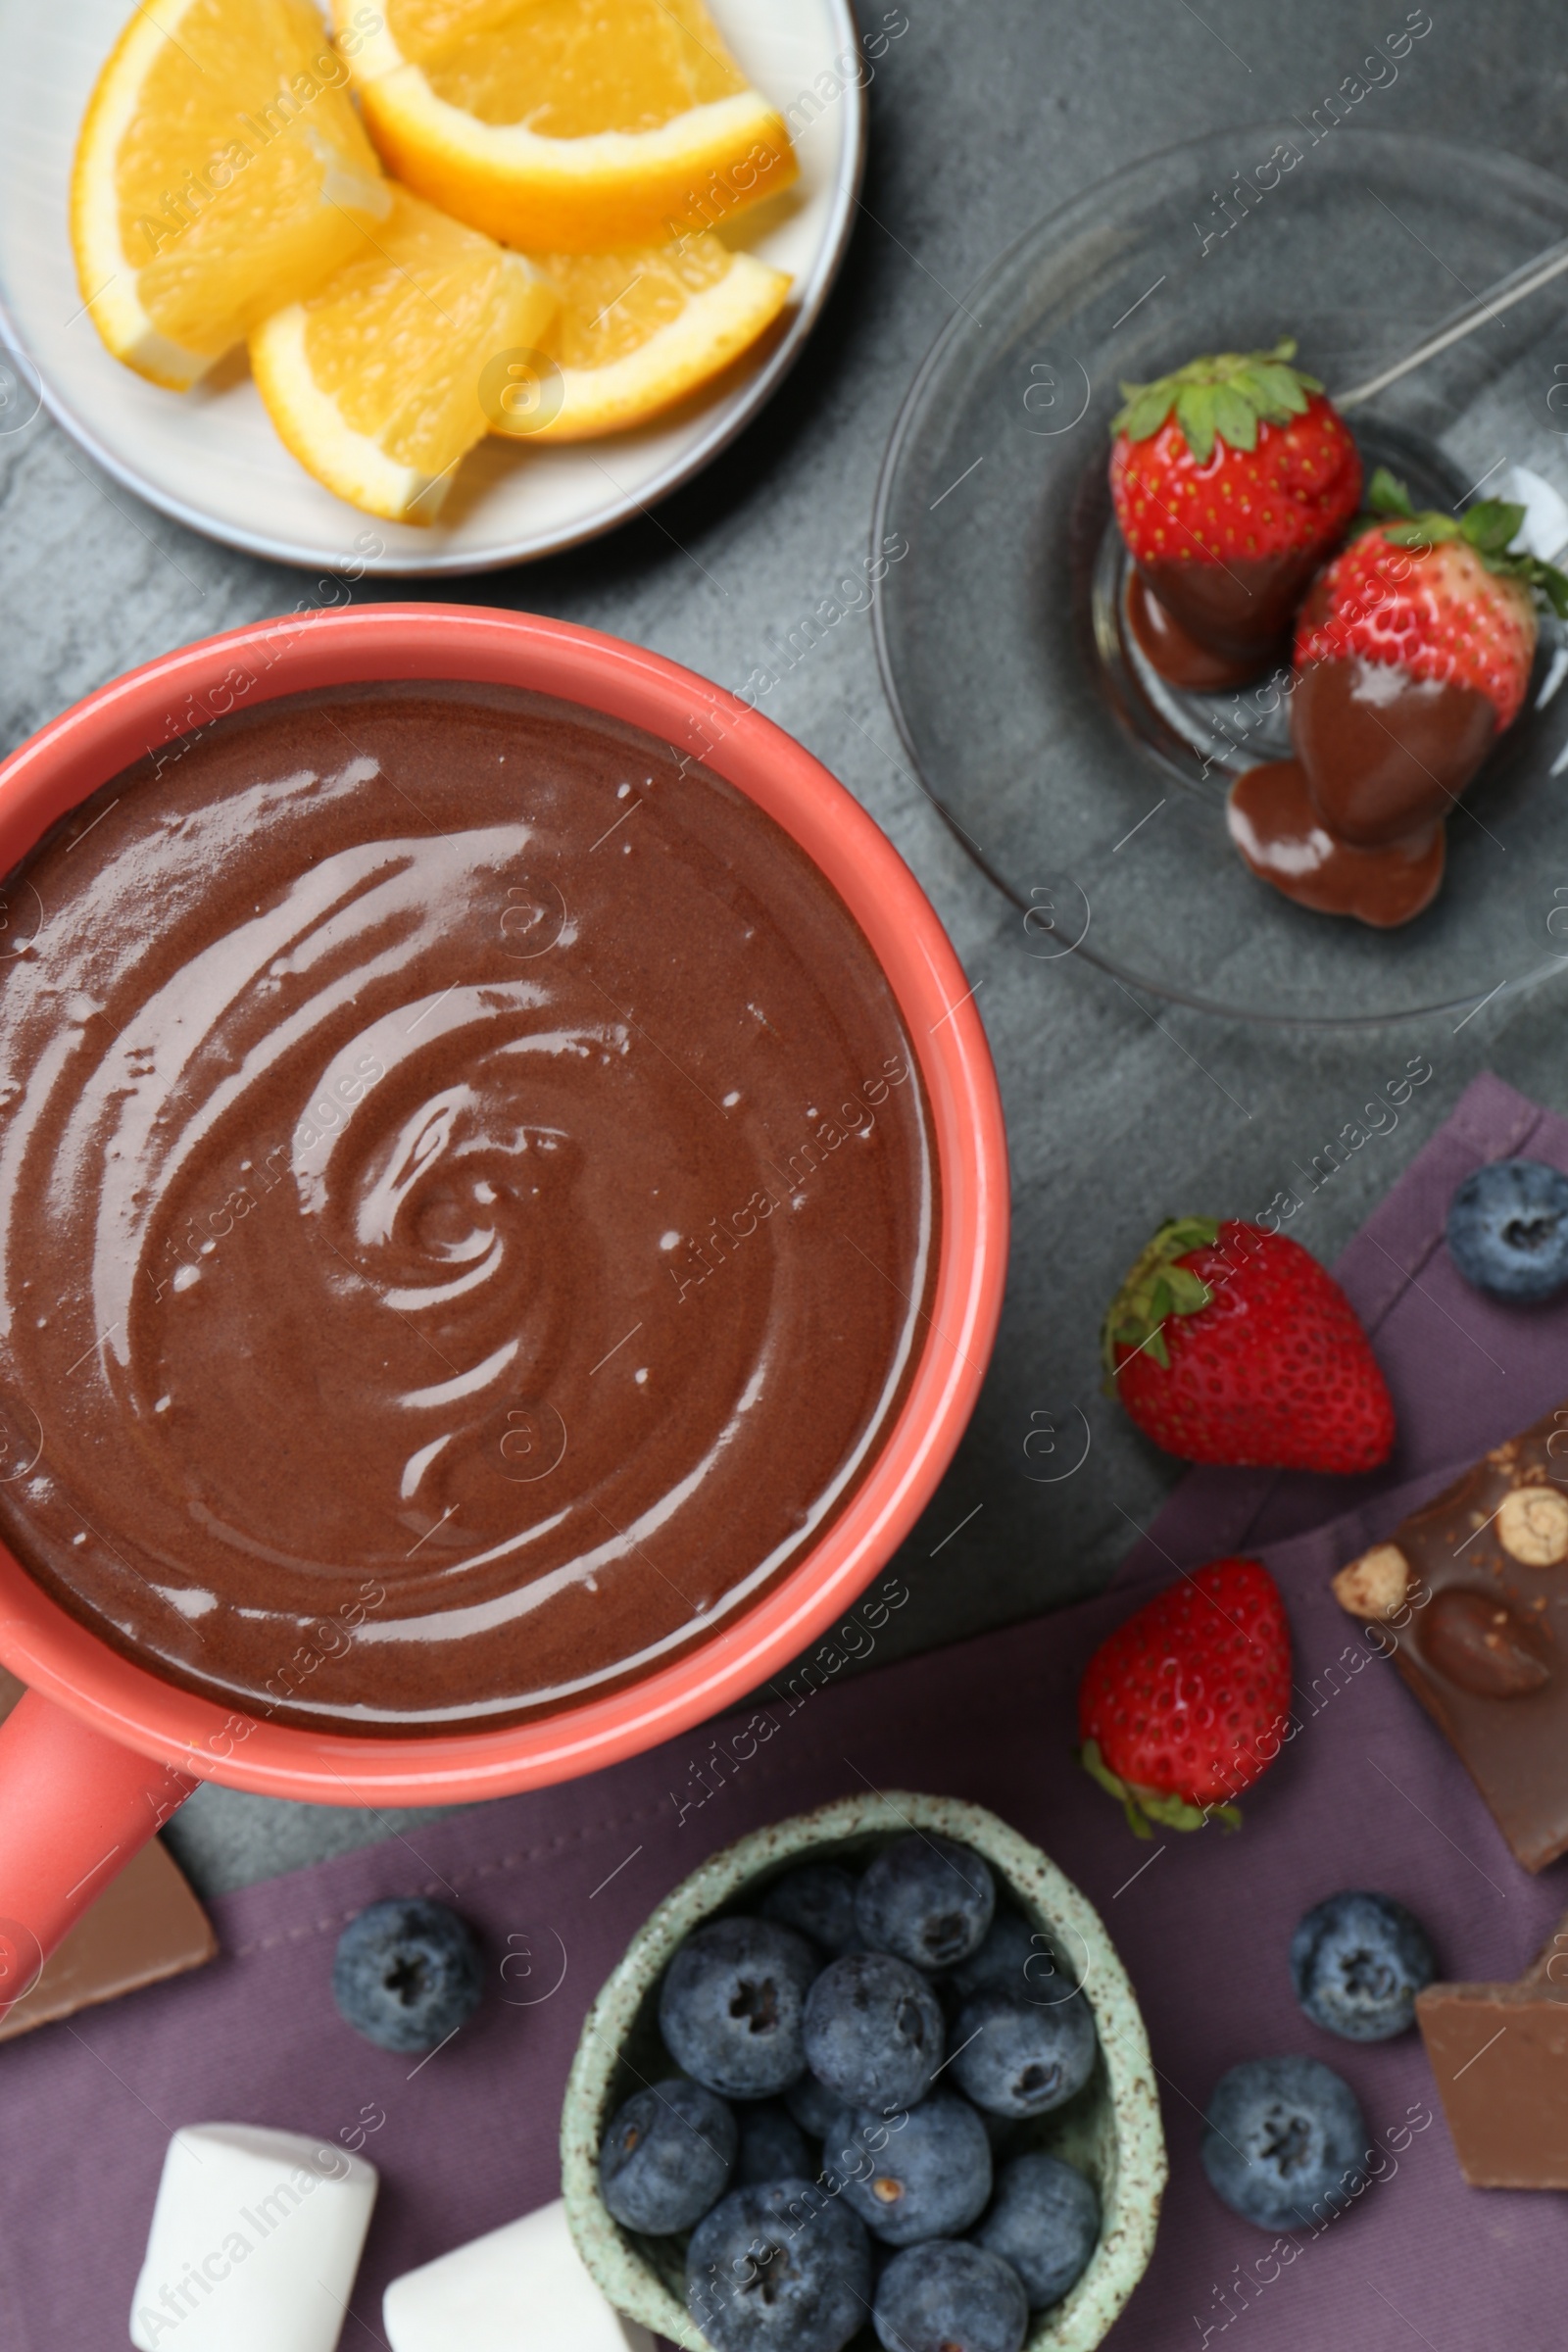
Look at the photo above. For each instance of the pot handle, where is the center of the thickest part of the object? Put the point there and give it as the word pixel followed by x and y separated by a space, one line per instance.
pixel 74 1806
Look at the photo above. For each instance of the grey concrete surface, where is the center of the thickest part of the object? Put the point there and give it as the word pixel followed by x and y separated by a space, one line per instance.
pixel 986 114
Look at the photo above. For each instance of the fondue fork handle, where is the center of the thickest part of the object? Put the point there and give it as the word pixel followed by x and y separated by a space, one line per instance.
pixel 1547 265
pixel 74 1806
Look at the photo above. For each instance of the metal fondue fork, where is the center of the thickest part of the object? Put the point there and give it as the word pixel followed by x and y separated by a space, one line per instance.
pixel 1528 279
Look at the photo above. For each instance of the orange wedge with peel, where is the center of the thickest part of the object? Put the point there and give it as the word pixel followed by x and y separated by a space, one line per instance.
pixel 566 126
pixel 374 380
pixel 221 172
pixel 637 331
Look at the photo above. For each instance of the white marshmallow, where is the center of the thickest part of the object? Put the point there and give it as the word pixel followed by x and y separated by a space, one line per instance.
pixel 522 2288
pixel 255 2242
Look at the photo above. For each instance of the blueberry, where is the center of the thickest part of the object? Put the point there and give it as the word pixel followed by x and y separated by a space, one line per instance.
pixel 406 1973
pixel 947 2296
pixel 1021 2057
pixel 1284 2142
pixel 1013 1956
pixel 813 2106
pixel 1044 2222
pixel 730 2008
pixel 873 2031
pixel 773 2145
pixel 779 2269
pixel 668 2157
pixel 816 1900
pixel 926 1901
pixel 924 2172
pixel 1508 1230
pixel 1357 1962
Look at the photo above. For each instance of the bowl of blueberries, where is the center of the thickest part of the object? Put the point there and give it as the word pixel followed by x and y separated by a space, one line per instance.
pixel 872 2076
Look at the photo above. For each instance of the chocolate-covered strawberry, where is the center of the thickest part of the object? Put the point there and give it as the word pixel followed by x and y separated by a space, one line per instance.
pixel 1229 1343
pixel 1233 479
pixel 1413 653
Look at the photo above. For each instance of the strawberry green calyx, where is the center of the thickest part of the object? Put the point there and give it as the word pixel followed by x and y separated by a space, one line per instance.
pixel 1489 530
pixel 1226 397
pixel 1155 1290
pixel 1145 1805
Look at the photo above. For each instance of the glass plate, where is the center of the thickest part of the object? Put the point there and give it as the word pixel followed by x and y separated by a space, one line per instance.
pixel 1089 792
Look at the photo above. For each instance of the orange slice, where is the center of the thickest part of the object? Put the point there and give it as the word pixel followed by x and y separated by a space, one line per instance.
pixel 637 331
pixel 566 126
pixel 221 172
pixel 373 382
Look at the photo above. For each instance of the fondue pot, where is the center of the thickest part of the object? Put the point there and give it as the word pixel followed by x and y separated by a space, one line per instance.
pixel 101 1750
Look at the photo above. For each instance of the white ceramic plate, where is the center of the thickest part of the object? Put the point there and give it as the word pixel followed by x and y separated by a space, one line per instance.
pixel 211 459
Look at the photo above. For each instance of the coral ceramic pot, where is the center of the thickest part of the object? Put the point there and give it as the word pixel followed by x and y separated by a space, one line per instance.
pixel 102 1750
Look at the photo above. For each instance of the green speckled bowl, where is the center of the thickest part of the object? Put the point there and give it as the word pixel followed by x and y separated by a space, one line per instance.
pixel 1110 2130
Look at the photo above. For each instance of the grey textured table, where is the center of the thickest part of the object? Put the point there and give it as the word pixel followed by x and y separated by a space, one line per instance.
pixel 986 114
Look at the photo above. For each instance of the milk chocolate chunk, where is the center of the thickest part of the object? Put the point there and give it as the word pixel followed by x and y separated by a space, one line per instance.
pixel 1499 2053
pixel 1479 1632
pixel 144 1927
pixel 468 1208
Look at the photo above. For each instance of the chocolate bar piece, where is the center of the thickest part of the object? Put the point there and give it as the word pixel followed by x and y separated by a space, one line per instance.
pixel 1471 1595
pixel 1499 2053
pixel 145 1926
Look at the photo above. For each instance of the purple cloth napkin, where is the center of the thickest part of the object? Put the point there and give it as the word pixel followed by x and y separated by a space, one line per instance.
pixel 1367 1794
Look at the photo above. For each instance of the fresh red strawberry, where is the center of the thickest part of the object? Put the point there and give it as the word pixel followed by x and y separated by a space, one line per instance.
pixel 1439 596
pixel 1232 480
pixel 1183 1707
pixel 1228 1344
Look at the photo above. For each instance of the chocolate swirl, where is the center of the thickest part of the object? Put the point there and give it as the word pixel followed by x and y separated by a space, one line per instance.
pixel 465 1207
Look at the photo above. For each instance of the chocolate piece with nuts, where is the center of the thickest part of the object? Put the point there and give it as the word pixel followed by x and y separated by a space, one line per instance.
pixel 1472 1596
pixel 1499 2053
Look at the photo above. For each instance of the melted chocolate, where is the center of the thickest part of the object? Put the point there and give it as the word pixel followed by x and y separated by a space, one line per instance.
pixel 1179 659
pixel 1239 613
pixel 467 1203
pixel 1353 824
pixel 1386 755
pixel 1275 824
